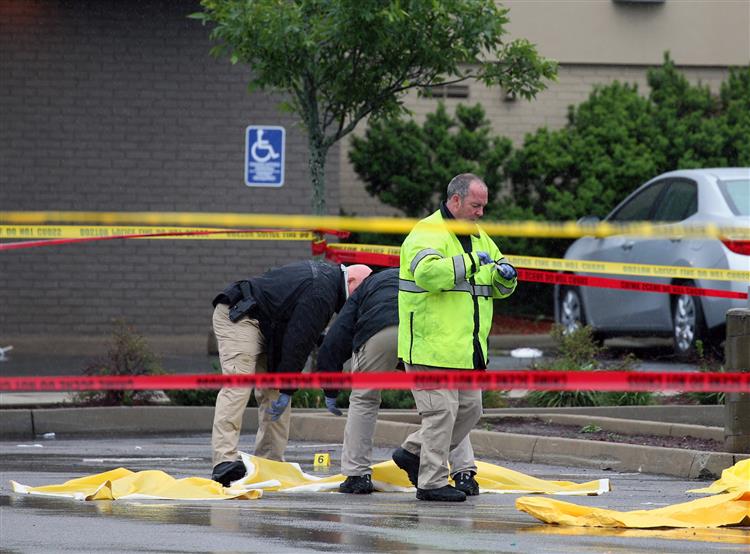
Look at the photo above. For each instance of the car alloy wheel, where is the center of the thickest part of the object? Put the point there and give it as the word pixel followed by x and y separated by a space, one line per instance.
pixel 571 311
pixel 685 323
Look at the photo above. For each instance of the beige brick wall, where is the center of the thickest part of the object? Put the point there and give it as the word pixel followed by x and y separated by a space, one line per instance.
pixel 517 118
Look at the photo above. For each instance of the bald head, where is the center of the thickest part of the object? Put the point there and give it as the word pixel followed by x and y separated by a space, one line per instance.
pixel 355 274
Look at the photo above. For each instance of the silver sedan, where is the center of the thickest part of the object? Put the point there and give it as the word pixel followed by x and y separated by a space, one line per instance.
pixel 694 196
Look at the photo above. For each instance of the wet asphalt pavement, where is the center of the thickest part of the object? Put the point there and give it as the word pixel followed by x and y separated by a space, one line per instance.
pixel 309 522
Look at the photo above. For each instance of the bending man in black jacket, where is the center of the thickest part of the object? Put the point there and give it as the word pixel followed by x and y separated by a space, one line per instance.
pixel 366 330
pixel 264 324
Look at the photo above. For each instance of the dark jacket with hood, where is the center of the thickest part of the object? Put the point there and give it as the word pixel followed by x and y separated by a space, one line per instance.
pixel 293 304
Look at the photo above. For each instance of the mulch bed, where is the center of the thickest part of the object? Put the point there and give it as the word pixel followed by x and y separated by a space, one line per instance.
pixel 534 426
pixel 513 325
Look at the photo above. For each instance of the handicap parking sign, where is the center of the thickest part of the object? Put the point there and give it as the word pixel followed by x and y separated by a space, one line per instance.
pixel 264 156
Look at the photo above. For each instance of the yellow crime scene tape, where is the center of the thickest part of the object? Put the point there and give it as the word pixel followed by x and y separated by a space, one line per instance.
pixel 79 231
pixel 584 266
pixel 369 248
pixel 640 270
pixel 536 229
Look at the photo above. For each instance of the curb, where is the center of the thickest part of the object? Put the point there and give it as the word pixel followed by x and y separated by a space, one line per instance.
pixel 619 425
pixel 391 430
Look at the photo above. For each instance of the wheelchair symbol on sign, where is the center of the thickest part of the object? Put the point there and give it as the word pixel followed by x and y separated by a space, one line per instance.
pixel 262 145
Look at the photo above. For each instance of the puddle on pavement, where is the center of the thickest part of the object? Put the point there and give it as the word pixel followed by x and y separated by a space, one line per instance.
pixel 383 525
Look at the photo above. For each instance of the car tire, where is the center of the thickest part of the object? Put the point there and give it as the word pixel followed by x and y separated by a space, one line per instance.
pixel 688 325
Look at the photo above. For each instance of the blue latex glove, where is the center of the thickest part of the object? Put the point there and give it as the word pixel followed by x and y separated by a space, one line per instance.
pixel 484 258
pixel 278 406
pixel 507 271
pixel 331 405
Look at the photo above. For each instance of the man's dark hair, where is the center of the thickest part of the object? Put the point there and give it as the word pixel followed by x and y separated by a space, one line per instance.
pixel 460 184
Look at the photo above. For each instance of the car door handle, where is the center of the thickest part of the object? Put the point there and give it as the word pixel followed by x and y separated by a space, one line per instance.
pixel 675 240
pixel 627 245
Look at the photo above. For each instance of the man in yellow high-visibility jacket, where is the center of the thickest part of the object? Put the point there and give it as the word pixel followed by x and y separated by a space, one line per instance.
pixel 447 284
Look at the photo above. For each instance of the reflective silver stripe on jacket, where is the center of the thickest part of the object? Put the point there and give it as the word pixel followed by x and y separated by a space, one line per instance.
pixel 475 290
pixel 502 289
pixel 459 268
pixel 421 255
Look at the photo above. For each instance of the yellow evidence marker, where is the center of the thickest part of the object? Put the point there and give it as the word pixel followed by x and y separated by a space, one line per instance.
pixel 322 460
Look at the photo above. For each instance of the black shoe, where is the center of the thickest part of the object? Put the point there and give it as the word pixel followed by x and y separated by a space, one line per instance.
pixel 408 462
pixel 357 484
pixel 443 494
pixel 226 472
pixel 466 483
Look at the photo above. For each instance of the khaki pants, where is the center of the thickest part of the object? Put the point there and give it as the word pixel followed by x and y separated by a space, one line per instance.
pixel 447 418
pixel 379 353
pixel 242 351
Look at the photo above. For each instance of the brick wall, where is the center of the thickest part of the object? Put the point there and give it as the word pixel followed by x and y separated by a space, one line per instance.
pixel 117 106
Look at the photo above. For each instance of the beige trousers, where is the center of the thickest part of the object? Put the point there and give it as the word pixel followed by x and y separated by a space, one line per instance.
pixel 447 418
pixel 242 351
pixel 380 353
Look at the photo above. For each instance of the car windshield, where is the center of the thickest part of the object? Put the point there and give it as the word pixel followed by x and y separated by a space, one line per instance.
pixel 737 195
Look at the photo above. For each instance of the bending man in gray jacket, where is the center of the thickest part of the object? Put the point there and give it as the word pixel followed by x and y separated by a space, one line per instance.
pixel 366 330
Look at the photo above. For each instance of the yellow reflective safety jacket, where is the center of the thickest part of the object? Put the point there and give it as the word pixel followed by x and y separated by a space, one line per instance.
pixel 445 297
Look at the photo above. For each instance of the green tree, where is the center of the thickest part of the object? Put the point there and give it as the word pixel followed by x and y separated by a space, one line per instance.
pixel 408 166
pixel 344 60
pixel 617 139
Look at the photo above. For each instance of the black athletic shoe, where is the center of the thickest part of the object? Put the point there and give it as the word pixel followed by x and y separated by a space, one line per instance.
pixel 408 462
pixel 357 484
pixel 443 494
pixel 466 483
pixel 226 472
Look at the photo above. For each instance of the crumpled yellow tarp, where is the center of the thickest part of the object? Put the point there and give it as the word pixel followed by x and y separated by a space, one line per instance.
pixel 735 478
pixel 732 507
pixel 387 477
pixel 269 475
pixel 122 483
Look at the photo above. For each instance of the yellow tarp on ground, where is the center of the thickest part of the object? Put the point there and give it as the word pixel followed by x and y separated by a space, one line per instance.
pixel 122 483
pixel 735 478
pixel 732 507
pixel 268 475
pixel 387 477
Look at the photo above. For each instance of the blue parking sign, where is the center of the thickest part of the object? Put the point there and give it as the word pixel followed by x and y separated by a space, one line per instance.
pixel 264 156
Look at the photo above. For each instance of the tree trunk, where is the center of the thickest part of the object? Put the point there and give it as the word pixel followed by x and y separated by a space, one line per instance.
pixel 318 176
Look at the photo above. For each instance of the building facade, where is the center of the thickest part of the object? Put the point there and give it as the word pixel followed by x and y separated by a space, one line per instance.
pixel 118 106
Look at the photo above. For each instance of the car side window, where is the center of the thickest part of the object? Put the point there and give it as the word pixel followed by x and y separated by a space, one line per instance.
pixel 679 202
pixel 639 207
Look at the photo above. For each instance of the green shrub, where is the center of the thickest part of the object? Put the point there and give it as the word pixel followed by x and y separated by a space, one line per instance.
pixel 128 354
pixel 308 398
pixel 578 351
pixel 613 142
pixel 199 397
pixel 397 399
pixel 590 428
pixel 494 399
pixel 408 166
pixel 707 364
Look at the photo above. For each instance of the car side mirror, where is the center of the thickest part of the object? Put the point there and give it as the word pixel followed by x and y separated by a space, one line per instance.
pixel 588 221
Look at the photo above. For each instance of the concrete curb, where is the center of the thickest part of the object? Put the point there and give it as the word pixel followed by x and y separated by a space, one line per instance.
pixel 709 416
pixel 624 426
pixel 690 464
pixel 392 428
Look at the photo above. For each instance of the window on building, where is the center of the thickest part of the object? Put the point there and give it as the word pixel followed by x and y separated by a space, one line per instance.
pixel 446 91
